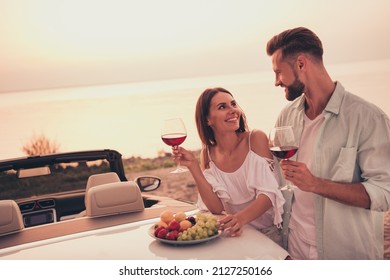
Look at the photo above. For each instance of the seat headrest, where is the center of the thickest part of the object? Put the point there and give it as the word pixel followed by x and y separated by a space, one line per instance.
pixel 11 218
pixel 100 179
pixel 113 198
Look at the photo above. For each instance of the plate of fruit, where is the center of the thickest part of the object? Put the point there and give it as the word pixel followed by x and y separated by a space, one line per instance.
pixel 180 229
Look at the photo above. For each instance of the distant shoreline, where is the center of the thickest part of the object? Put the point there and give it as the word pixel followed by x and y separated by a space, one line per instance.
pixel 332 67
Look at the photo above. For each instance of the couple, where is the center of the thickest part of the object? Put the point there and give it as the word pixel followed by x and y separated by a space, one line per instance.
pixel 342 168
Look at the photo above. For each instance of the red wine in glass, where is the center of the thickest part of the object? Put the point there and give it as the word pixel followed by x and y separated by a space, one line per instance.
pixel 284 152
pixel 174 139
pixel 283 145
pixel 173 134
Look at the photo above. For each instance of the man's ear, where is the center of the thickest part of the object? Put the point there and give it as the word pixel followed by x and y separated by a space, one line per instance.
pixel 301 61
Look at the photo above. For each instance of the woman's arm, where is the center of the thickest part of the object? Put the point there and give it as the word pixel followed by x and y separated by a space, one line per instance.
pixel 233 223
pixel 210 199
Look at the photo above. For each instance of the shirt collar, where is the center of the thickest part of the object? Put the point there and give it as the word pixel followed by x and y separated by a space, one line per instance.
pixel 336 99
pixel 334 102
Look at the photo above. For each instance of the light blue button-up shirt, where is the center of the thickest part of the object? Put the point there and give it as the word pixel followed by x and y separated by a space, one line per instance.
pixel 353 145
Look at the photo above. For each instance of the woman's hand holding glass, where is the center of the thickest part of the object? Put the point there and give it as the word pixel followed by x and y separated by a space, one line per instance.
pixel 183 157
pixel 173 133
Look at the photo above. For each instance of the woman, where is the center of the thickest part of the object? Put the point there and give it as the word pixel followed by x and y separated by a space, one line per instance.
pixel 235 176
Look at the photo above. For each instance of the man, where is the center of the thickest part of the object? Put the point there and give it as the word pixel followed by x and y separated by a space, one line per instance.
pixel 342 169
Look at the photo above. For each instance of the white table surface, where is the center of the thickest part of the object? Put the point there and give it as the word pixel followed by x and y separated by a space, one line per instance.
pixel 125 243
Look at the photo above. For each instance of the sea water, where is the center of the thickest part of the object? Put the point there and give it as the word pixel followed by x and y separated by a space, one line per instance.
pixel 128 117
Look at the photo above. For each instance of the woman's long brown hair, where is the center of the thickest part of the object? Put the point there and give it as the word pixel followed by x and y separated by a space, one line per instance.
pixel 206 133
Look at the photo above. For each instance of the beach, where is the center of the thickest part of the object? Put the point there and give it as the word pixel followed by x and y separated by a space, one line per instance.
pixel 182 186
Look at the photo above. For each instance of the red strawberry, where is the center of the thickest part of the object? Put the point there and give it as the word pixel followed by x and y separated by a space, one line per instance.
pixel 172 235
pixel 162 233
pixel 156 231
pixel 173 225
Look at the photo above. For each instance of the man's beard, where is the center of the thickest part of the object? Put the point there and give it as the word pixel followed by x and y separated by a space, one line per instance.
pixel 295 90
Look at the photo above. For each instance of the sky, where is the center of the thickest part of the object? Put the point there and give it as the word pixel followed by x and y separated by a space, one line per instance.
pixel 61 43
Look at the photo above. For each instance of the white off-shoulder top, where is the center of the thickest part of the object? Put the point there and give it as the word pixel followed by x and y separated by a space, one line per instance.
pixel 239 188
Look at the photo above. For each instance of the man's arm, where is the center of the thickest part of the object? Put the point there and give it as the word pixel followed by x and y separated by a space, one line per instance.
pixel 353 194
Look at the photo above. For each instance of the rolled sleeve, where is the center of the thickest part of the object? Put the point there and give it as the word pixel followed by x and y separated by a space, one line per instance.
pixel 374 161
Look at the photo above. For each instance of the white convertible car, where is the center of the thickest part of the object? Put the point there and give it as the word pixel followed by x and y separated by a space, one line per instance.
pixel 81 206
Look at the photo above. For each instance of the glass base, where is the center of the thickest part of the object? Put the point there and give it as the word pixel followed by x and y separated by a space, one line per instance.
pixel 289 188
pixel 286 188
pixel 180 169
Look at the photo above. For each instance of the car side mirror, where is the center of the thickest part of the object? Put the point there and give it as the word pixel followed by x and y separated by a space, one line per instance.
pixel 148 183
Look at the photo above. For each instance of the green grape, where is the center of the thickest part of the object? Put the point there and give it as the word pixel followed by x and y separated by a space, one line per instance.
pixel 193 229
pixel 204 226
pixel 200 223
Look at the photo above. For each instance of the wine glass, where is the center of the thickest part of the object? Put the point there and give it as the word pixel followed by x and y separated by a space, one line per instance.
pixel 174 133
pixel 283 145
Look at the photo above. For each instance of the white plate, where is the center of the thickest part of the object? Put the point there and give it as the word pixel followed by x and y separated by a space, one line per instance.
pixel 181 243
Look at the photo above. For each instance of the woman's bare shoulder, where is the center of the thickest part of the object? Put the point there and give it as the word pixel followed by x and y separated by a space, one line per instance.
pixel 259 143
